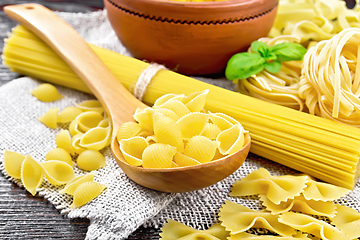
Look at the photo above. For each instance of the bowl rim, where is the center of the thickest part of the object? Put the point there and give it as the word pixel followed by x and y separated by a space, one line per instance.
pixel 190 12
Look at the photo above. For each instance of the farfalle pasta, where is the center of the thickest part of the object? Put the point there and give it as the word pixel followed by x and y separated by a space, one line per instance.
pixel 296 218
pixel 348 221
pixel 276 188
pixel 311 225
pixel 237 218
pixel 173 230
pixel 192 135
pixel 320 191
pixel 300 204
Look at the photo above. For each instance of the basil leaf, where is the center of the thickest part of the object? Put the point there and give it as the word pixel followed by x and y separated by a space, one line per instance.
pixel 243 65
pixel 260 47
pixel 273 67
pixel 288 51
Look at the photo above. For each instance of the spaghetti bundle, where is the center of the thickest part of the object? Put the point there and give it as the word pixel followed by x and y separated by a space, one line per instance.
pixel 330 81
pixel 325 149
pixel 280 88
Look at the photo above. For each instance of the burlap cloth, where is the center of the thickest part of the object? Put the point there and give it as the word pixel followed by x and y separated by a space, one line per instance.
pixel 124 206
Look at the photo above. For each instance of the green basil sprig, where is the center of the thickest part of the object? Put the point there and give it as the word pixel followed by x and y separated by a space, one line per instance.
pixel 243 65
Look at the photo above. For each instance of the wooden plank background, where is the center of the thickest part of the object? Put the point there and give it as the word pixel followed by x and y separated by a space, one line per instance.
pixel 23 216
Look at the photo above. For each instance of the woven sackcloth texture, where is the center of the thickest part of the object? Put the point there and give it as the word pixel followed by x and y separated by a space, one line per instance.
pixel 124 206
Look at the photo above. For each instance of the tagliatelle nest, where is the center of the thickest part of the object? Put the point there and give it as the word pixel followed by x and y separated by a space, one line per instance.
pixel 330 81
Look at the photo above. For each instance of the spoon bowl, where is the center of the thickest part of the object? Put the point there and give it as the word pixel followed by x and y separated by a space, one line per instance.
pixel 118 102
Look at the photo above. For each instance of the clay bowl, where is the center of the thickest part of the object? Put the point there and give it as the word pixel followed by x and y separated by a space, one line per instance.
pixel 185 179
pixel 192 38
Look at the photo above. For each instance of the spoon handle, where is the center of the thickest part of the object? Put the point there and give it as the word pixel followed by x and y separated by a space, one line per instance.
pixel 119 103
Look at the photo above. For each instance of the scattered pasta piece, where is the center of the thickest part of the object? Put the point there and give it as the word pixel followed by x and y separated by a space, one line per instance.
pixel 68 114
pixel 90 160
pixel 311 225
pixel 300 204
pixel 86 192
pixel 63 140
pixel 75 143
pixel 237 219
pixel 96 138
pixel 12 163
pixel 348 221
pixel 276 188
pixel 198 136
pixel 320 191
pixel 32 174
pixel 91 105
pixel 88 120
pixel 59 154
pixel 249 236
pixel 71 186
pixel 46 92
pixel 50 118
pixel 173 230
pixel 58 172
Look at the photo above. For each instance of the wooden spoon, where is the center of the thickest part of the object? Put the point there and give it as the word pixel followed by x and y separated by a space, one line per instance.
pixel 119 103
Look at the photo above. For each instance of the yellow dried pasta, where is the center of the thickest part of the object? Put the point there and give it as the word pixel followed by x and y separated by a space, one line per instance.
pixel 50 118
pixel 128 130
pixel 91 105
pixel 46 92
pixel 237 219
pixel 276 188
pixel 58 172
pixel 320 191
pixel 300 204
pixel 75 143
pixel 196 101
pixel 59 154
pixel 32 174
pixel 201 148
pixel 132 149
pixel 86 192
pixel 88 120
pixel 63 140
pixel 68 114
pixel 158 155
pixel 71 186
pixel 167 131
pixel 192 124
pixel 311 225
pixel 193 134
pixel 96 138
pixel 173 230
pixel 231 139
pixel 90 160
pixel 12 163
pixel 348 221
pixel 182 160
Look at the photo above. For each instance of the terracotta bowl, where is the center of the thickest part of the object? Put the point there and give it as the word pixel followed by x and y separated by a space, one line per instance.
pixel 193 38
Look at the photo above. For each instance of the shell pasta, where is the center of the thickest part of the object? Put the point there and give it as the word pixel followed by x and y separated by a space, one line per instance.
pixel 178 132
